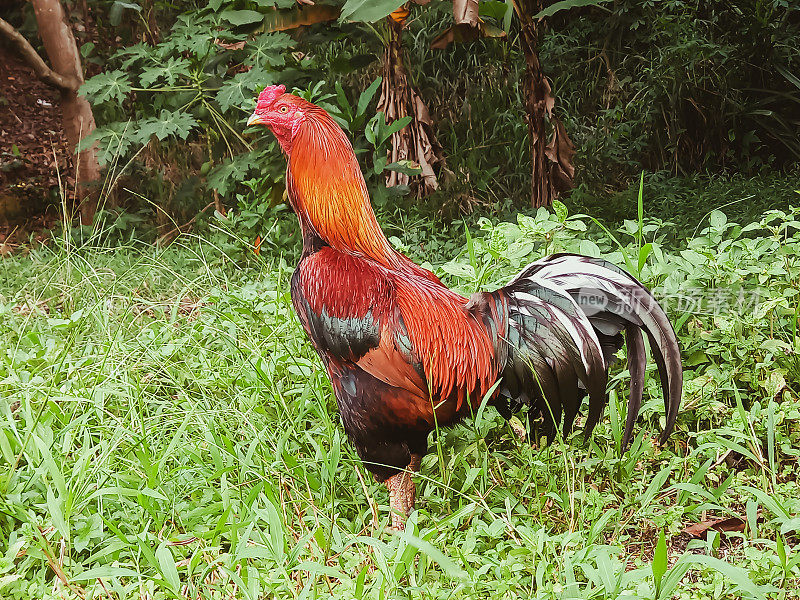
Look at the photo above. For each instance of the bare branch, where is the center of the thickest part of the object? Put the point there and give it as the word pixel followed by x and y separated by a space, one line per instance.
pixel 36 62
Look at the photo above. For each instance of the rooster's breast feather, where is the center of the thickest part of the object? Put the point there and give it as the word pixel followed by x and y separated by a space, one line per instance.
pixel 342 301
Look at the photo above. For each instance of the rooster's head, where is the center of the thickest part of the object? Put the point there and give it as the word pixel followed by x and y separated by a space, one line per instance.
pixel 283 113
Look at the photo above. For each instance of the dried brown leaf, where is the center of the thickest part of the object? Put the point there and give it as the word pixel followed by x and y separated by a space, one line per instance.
pixel 560 151
pixel 301 16
pixel 417 141
pixel 230 45
pixel 466 12
pixel 723 525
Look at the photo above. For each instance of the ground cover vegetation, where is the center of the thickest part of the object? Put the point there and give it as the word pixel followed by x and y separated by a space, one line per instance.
pixel 166 431
pixel 169 433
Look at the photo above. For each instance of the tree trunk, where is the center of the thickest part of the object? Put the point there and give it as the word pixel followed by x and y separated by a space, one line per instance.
pixel 552 171
pixel 415 142
pixel 77 117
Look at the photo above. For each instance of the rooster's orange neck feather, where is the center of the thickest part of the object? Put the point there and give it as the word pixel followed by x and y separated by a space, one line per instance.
pixel 328 191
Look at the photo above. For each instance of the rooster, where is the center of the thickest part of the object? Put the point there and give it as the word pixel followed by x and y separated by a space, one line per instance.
pixel 405 354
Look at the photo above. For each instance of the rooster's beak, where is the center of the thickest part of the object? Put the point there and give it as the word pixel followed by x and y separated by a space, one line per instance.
pixel 254 120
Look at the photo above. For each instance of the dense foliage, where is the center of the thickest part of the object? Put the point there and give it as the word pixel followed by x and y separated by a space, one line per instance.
pixel 682 86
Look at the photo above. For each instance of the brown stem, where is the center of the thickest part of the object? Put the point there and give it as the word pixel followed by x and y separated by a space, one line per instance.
pixel 536 89
pixel 417 141
pixel 153 33
pixel 552 171
pixel 35 61
pixel 76 112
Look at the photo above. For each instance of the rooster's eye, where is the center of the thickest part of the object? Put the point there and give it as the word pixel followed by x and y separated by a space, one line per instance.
pixel 283 108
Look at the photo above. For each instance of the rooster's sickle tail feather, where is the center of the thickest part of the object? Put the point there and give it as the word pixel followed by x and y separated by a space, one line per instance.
pixel 566 317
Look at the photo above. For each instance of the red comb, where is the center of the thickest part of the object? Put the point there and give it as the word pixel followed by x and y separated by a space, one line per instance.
pixel 269 95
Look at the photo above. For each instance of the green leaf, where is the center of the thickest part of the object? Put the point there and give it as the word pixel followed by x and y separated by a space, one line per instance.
pixel 508 16
pixel 105 87
pixel 433 553
pixel 277 3
pixel 394 127
pixel 170 71
pixel 277 538
pixel 404 166
pixel 113 141
pixel 118 8
pixel 460 270
pixel 240 91
pixel 166 563
pixel 134 53
pixel 729 571
pixel 373 125
pixel 55 508
pixel 565 5
pixel 659 562
pixel 494 9
pixel 644 252
pixel 368 11
pixel 781 550
pixel 640 209
pixel 673 577
pixel 106 572
pixel 241 17
pixel 86 49
pixel 379 163
pixel 224 177
pixel 561 210
pixel 344 103
pixel 366 96
pixel 177 123
pixel 194 33
pixel 589 248
pixel 717 219
pixel 267 50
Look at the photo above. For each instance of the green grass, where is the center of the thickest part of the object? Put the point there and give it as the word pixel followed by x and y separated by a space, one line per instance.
pixel 687 201
pixel 166 431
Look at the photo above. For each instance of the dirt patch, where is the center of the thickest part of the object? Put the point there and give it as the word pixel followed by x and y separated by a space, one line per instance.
pixel 33 151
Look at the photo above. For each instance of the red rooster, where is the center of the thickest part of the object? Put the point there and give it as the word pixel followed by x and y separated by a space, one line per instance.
pixel 405 354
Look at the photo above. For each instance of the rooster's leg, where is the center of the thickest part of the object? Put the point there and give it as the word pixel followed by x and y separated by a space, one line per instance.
pixel 402 493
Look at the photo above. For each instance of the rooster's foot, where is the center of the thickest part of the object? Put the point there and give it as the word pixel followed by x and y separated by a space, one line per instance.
pixel 402 493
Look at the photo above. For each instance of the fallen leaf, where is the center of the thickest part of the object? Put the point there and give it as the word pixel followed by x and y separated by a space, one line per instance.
pixel 465 12
pixel 721 524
